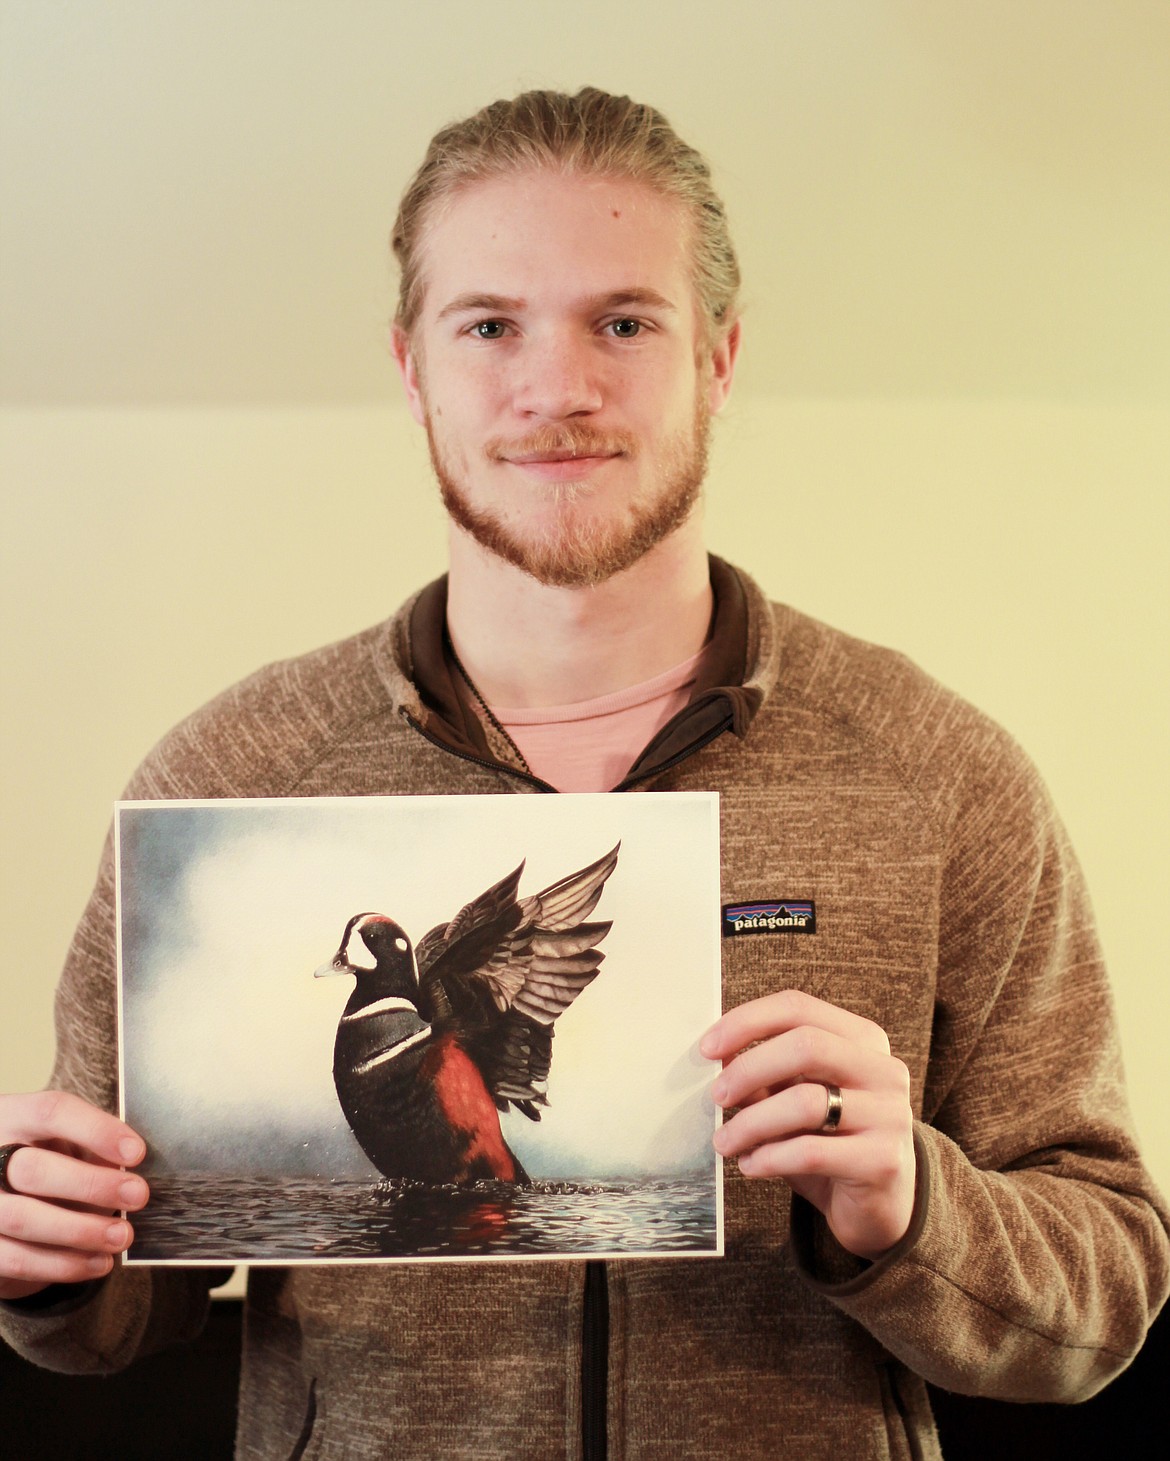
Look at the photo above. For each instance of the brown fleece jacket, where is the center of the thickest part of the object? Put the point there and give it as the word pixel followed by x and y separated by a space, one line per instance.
pixel 949 909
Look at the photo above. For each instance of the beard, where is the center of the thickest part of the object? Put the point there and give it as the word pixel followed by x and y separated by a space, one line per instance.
pixel 573 546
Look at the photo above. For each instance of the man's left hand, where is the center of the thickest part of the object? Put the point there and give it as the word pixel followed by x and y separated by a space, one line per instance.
pixel 780 1054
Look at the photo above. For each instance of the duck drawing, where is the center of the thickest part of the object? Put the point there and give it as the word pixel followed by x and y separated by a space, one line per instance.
pixel 436 1040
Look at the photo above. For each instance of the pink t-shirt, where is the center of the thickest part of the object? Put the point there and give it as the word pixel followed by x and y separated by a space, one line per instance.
pixel 591 745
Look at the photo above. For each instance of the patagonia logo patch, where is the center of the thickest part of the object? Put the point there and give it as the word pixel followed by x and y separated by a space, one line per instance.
pixel 777 915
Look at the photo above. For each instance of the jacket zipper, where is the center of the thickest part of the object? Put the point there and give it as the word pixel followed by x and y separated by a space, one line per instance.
pixel 595 1363
pixel 704 740
pixel 683 755
pixel 470 756
pixel 595 1305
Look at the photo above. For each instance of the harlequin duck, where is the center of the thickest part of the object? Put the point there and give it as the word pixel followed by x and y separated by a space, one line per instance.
pixel 423 1063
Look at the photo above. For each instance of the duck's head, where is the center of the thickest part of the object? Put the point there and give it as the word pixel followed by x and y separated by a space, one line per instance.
pixel 376 951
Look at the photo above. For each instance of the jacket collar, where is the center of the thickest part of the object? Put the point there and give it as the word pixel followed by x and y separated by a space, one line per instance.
pixel 734 678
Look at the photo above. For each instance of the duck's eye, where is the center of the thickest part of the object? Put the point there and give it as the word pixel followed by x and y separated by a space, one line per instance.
pixel 401 945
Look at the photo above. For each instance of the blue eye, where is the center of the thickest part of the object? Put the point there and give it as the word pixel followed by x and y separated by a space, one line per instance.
pixel 626 329
pixel 489 329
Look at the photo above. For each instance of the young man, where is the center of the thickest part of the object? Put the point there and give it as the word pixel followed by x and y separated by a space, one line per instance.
pixel 935 1175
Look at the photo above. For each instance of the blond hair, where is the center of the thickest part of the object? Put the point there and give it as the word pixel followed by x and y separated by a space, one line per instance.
pixel 591 132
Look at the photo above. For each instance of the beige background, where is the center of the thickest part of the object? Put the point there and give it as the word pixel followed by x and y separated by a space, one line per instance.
pixel 951 432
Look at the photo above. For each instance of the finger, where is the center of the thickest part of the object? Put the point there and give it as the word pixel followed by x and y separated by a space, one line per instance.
pixel 796 1111
pixel 749 1098
pixel 58 1116
pixel 27 1267
pixel 804 1054
pixel 811 1156
pixel 773 1014
pixel 43 1224
pixel 38 1172
pixel 863 1163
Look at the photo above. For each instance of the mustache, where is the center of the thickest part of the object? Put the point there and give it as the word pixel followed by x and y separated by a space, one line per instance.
pixel 567 440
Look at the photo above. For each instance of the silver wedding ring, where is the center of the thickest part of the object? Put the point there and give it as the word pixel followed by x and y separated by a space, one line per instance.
pixel 834 1106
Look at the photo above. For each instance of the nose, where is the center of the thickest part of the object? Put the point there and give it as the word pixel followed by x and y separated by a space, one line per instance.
pixel 558 378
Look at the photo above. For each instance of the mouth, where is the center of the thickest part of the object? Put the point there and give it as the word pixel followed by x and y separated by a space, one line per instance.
pixel 565 454
pixel 568 452
pixel 560 466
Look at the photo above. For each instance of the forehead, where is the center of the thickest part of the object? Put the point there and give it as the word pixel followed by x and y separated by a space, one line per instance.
pixel 545 235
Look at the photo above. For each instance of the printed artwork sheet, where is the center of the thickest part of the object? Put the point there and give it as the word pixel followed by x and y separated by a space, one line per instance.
pixel 386 1028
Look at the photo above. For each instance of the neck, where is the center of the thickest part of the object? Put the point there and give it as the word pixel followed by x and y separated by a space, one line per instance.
pixel 528 645
pixel 375 985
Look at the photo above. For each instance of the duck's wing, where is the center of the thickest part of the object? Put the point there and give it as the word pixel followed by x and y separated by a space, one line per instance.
pixel 506 968
pixel 464 966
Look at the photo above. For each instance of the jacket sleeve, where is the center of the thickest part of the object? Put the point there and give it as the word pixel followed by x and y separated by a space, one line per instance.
pixel 253 740
pixel 1037 1255
pixel 100 1327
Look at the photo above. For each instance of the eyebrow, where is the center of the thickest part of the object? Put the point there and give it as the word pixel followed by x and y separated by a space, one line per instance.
pixel 475 303
pixel 648 297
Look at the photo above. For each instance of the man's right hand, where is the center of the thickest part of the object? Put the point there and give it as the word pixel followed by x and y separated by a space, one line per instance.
pixel 64 1186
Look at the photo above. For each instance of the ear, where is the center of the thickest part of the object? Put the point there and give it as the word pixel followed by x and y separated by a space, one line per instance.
pixel 723 358
pixel 408 369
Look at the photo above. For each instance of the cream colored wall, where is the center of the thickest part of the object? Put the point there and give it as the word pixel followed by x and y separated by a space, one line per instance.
pixel 1016 549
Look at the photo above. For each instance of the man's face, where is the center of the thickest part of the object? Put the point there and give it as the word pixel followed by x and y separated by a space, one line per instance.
pixel 558 365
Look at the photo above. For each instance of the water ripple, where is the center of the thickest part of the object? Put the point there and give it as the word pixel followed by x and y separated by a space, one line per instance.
pixel 210 1218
